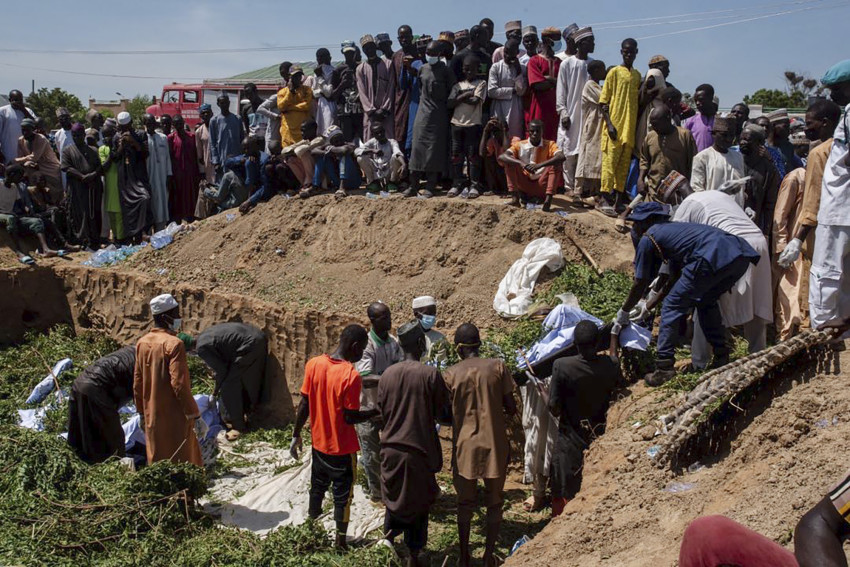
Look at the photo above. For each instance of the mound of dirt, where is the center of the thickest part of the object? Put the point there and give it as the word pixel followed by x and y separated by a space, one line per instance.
pixel 324 254
pixel 629 513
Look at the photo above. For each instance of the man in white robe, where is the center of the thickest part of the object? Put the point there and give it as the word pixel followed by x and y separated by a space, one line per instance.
pixel 750 302
pixel 506 86
pixel 320 82
pixel 718 164
pixel 10 125
pixel 159 172
pixel 572 76
pixel 829 282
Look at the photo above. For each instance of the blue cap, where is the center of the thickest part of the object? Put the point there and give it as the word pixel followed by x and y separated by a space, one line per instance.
pixel 204 107
pixel 838 73
pixel 645 210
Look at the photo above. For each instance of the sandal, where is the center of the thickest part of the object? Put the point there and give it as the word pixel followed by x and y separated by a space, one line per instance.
pixel 531 505
pixel 307 192
pixel 621 227
pixel 341 194
pixel 27 260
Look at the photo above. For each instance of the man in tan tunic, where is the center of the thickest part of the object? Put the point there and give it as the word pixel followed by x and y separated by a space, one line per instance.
pixel 162 390
pixel 481 396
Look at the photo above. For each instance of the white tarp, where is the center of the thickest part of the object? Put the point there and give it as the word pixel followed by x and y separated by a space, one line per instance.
pixel 514 295
pixel 257 499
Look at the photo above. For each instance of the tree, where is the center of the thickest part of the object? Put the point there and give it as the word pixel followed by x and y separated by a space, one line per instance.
pixel 138 105
pixel 45 102
pixel 799 88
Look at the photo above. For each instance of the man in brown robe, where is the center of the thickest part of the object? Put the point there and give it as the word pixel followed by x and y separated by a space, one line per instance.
pixel 482 396
pixel 162 389
pixel 410 397
pixel 39 160
pixel 81 164
pixel 375 87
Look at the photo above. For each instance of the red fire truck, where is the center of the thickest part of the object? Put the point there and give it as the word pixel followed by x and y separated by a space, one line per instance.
pixel 185 99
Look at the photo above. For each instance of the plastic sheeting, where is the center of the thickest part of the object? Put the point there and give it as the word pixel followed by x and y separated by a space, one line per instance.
pixel 257 499
pixel 560 327
pixel 514 295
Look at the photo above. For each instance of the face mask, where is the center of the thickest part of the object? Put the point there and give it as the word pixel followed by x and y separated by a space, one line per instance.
pixel 176 324
pixel 432 59
pixel 427 321
pixel 558 46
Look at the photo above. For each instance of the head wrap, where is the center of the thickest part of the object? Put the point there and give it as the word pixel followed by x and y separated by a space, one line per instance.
pixel 799 139
pixel 513 25
pixel 423 41
pixel 550 31
pixel 110 122
pixel 777 115
pixel 838 73
pixel 660 83
pixel 582 33
pixel 77 127
pixel 529 30
pixel 569 31
pixel 332 131
pixel 446 36
pixel 163 303
pixel 364 40
pixel 656 59
pixel 347 46
pixel 61 111
pixel 294 70
pixel 382 38
pixel 724 124
pixel 646 210
pixel 204 107
pixel 124 118
pixel 28 122
pixel 410 334
pixel 461 34
pixel 424 301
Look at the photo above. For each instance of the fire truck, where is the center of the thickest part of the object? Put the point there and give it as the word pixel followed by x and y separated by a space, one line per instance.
pixel 185 99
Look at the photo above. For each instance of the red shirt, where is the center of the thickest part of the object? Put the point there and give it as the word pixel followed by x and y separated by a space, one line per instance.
pixel 331 386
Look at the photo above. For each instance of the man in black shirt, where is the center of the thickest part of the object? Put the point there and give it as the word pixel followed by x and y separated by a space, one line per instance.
pixel 579 394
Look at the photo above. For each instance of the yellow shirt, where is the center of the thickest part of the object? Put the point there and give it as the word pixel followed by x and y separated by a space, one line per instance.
pixel 294 109
pixel 620 93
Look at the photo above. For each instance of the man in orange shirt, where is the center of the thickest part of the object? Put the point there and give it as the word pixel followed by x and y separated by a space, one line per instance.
pixel 330 396
pixel 530 166
pixel 162 390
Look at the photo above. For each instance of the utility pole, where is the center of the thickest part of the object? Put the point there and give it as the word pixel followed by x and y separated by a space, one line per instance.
pixel 32 92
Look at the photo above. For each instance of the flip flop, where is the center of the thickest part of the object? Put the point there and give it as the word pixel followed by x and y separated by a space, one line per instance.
pixel 341 194
pixel 28 260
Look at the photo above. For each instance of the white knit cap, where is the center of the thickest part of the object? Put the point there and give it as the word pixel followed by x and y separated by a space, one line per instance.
pixel 124 118
pixel 424 301
pixel 163 303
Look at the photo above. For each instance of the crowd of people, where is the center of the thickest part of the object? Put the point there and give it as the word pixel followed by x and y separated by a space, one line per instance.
pixel 737 222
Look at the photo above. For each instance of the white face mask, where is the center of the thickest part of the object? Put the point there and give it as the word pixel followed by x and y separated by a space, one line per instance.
pixel 432 59
pixel 176 324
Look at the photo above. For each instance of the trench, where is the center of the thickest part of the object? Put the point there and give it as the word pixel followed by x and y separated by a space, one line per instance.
pixel 116 303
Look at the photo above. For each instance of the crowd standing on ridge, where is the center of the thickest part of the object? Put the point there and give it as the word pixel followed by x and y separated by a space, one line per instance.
pixel 737 221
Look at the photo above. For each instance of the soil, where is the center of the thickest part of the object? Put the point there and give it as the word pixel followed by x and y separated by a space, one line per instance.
pixel 301 270
pixel 791 451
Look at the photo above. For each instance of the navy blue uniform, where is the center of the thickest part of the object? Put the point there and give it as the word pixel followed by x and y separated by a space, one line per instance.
pixel 710 262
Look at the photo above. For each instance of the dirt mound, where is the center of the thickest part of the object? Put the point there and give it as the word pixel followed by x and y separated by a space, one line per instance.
pixel 324 254
pixel 629 513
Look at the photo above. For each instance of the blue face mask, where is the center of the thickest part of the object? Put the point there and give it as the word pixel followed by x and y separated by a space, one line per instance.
pixel 427 321
pixel 558 46
pixel 432 59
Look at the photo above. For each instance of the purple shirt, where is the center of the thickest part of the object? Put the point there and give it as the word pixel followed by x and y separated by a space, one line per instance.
pixel 700 128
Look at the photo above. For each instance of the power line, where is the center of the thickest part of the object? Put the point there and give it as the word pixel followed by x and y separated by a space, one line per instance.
pixel 745 20
pixel 88 74
pixel 631 23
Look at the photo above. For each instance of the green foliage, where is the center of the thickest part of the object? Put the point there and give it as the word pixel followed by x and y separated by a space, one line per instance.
pixel 775 98
pixel 137 107
pixel 24 366
pixel 45 102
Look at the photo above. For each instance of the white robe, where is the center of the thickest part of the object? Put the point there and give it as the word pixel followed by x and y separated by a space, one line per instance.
pixel 572 76
pixel 63 139
pixel 159 169
pixel 711 169
pixel 10 130
pixel 752 296
pixel 325 107
pixel 505 90
pixel 270 111
pixel 540 430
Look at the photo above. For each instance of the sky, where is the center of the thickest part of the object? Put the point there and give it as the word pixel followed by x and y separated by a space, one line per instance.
pixel 749 43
